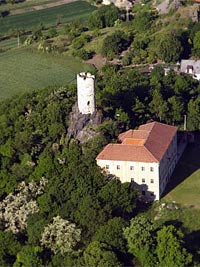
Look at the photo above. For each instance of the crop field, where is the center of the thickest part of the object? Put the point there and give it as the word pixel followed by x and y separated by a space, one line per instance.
pixel 47 17
pixel 8 44
pixel 26 69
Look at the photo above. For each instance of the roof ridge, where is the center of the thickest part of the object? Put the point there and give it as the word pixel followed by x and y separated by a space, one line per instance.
pixel 150 153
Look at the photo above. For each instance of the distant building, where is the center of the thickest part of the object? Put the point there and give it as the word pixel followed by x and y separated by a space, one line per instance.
pixel 118 3
pixel 145 157
pixel 191 67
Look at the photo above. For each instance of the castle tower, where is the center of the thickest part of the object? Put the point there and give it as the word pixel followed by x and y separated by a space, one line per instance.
pixel 85 91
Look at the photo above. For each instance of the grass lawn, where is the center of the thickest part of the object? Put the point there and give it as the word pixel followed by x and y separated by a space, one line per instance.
pixel 184 189
pixel 184 186
pixel 47 17
pixel 25 69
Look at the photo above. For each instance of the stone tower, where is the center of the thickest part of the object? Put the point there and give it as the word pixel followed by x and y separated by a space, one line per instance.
pixel 85 91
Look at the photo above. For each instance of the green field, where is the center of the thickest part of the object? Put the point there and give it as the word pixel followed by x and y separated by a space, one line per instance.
pixel 26 69
pixel 184 191
pixel 184 186
pixel 27 3
pixel 47 17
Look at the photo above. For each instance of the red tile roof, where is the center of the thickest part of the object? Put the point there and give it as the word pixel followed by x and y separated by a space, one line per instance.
pixel 138 134
pixel 147 144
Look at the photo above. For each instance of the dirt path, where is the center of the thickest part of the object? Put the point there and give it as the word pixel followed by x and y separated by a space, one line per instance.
pixel 40 7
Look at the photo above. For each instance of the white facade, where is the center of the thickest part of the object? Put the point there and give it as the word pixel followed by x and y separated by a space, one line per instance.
pixel 85 91
pixel 145 176
pixel 118 3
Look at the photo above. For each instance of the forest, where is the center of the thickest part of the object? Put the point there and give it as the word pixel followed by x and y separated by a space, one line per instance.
pixel 57 207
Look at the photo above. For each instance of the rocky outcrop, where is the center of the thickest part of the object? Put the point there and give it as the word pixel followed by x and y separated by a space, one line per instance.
pixel 83 126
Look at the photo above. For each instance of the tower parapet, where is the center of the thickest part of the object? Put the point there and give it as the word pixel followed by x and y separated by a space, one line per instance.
pixel 85 92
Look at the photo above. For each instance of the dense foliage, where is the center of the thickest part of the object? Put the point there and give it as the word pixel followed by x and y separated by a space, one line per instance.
pixel 74 194
pixel 53 181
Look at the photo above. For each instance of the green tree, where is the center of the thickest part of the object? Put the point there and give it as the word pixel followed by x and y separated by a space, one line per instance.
pixel 120 196
pixel 111 234
pixel 169 47
pixel 114 44
pixel 140 236
pixel 170 248
pixel 194 114
pixel 176 108
pixel 9 247
pixel 105 16
pixel 29 256
pixel 196 44
pixel 97 254
pixel 142 21
pixel 90 214
pixel 158 106
pixel 35 226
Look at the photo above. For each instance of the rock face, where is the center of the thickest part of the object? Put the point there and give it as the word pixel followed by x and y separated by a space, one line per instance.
pixel 83 126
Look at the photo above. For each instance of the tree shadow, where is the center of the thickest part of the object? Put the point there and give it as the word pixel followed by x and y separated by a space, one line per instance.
pixel 187 165
pixel 176 223
pixel 193 244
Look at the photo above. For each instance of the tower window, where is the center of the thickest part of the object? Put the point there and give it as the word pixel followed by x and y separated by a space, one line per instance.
pixel 118 167
pixel 88 103
pixel 132 168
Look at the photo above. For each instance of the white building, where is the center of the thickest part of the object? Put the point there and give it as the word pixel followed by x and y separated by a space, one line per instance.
pixel 191 67
pixel 118 3
pixel 146 157
pixel 85 91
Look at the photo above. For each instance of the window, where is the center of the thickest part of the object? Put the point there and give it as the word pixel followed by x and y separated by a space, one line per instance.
pixel 142 168
pixel 143 180
pixel 132 168
pixel 132 180
pixel 152 181
pixel 151 169
pixel 107 167
pixel 118 167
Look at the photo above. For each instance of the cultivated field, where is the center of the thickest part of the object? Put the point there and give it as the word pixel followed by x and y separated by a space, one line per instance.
pixel 46 17
pixel 27 3
pixel 26 69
